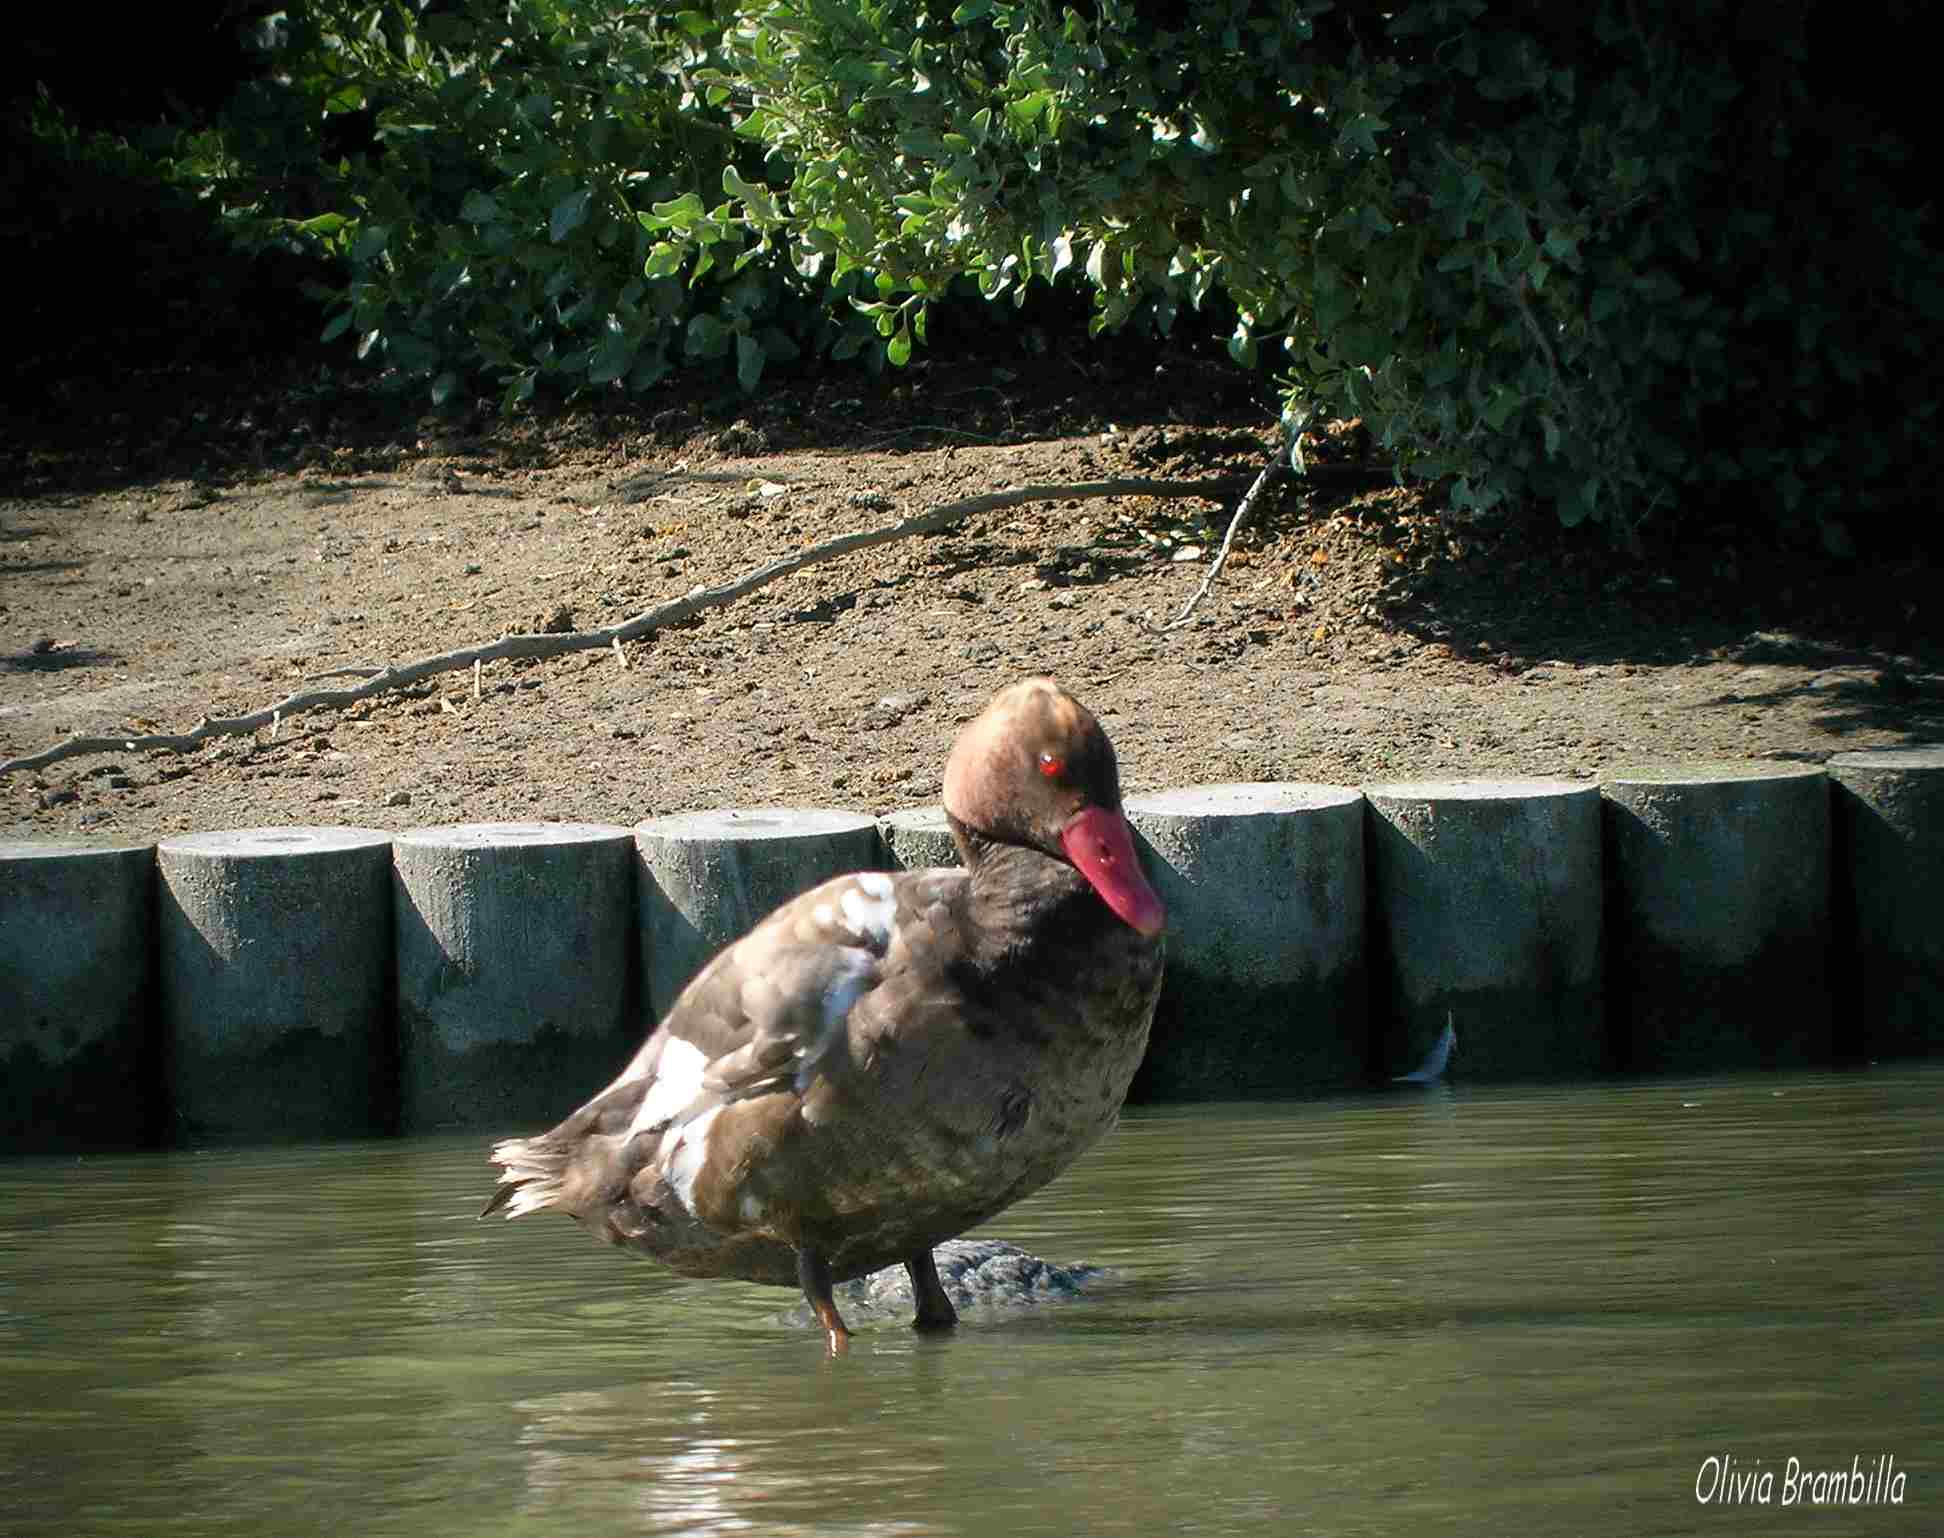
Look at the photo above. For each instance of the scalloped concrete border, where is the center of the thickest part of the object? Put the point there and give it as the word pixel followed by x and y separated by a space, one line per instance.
pixel 317 982
pixel 78 1045
pixel 1486 905
pixel 1718 915
pixel 1889 816
pixel 1267 990
pixel 514 946
pixel 274 963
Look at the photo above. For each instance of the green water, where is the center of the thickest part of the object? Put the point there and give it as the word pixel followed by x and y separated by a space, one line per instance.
pixel 1468 1311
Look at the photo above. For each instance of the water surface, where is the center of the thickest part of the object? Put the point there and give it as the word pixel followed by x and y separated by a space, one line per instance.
pixel 1466 1311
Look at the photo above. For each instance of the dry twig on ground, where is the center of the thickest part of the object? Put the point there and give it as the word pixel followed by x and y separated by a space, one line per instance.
pixel 383 680
pixel 1244 509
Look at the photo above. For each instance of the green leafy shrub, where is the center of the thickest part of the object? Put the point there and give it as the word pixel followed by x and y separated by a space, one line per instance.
pixel 1602 257
pixel 1617 259
pixel 527 158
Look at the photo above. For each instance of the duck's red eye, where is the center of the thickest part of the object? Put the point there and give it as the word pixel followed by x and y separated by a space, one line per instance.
pixel 1051 767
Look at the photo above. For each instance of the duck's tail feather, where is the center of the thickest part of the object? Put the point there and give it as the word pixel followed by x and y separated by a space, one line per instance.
pixel 532 1176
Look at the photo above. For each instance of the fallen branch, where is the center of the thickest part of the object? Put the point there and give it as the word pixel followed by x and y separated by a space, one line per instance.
pixel 384 680
pixel 1271 472
pixel 1332 475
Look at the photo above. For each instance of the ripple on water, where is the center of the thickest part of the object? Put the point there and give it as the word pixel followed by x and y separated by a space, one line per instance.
pixel 1464 1311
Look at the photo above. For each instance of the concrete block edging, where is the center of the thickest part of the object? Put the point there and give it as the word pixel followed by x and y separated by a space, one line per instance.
pixel 301 981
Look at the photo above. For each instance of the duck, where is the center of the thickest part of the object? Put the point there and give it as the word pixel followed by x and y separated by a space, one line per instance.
pixel 889 1059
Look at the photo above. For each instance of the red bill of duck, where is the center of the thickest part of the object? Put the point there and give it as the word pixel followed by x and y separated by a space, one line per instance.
pixel 888 1060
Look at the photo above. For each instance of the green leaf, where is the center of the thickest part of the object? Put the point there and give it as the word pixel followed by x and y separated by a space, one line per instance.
pixel 749 363
pixel 336 326
pixel 676 213
pixel 1580 503
pixel 569 214
pixel 708 337
pixel 481 208
pixel 1332 301
pixel 1358 133
pixel 758 198
pixel 664 260
pixel 1500 408
pixel 1506 224
pixel 347 98
pixel 323 224
pixel 1025 111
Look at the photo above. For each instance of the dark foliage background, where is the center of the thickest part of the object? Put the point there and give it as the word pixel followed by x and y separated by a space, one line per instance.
pixel 1637 262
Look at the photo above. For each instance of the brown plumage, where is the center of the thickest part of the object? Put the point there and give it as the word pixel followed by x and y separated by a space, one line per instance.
pixel 886 1061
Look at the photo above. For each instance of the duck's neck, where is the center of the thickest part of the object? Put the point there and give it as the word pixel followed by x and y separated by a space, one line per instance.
pixel 1024 901
pixel 1032 928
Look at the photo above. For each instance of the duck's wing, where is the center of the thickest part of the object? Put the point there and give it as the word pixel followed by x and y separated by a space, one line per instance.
pixel 770 1013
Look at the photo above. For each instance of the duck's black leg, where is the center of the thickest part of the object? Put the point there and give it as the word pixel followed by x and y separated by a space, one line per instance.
pixel 935 1311
pixel 813 1275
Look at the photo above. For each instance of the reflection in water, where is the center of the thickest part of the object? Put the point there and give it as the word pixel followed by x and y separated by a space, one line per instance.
pixel 1442 1310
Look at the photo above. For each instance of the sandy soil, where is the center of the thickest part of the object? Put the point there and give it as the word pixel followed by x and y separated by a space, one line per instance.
pixel 174 549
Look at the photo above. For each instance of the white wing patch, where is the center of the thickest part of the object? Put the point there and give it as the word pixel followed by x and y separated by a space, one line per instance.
pixel 684 1150
pixel 678 1080
pixel 870 908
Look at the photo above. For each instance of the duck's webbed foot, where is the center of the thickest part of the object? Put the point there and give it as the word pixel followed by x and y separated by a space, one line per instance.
pixel 813 1275
pixel 935 1311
